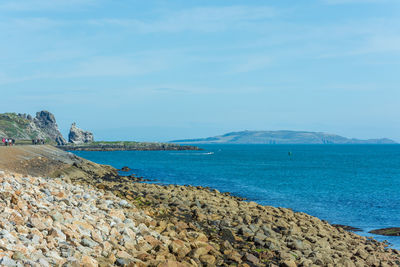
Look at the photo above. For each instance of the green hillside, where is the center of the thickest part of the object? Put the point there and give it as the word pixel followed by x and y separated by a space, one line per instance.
pixel 25 127
pixel 14 126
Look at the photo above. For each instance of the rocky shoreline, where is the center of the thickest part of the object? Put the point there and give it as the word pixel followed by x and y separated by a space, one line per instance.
pixel 111 220
pixel 247 234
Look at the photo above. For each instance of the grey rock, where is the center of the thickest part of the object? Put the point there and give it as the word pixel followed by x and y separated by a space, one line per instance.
pixel 87 242
pixel 122 262
pixel 251 258
pixel 57 217
pixel 79 136
pixel 296 245
pixel 46 122
pixel 109 202
pixel 260 239
pixel 267 231
pixel 35 239
pixel 253 228
pixel 245 231
pixel 124 203
pixel 6 261
pixel 44 262
pixel 46 191
pixel 67 252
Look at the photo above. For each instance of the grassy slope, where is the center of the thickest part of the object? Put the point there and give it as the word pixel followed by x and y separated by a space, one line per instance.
pixel 14 126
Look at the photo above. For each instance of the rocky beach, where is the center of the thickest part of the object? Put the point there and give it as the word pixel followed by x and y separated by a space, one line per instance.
pixel 62 210
pixel 200 133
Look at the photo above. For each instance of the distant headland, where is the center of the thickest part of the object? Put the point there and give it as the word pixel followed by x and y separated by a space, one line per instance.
pixel 281 137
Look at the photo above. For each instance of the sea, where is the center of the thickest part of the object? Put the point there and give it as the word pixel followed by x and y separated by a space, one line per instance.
pixel 354 185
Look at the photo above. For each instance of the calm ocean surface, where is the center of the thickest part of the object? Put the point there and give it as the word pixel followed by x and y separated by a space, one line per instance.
pixel 356 185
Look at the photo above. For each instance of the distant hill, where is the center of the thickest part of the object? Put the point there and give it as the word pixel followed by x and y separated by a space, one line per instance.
pixel 23 126
pixel 281 137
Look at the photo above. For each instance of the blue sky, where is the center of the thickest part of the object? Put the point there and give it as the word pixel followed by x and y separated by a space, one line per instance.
pixel 162 70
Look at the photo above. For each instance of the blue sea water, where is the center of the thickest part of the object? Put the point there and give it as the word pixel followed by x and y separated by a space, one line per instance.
pixel 356 185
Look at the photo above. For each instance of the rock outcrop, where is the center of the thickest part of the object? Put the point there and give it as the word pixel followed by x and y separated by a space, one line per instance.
pixel 391 231
pixel 46 121
pixel 79 136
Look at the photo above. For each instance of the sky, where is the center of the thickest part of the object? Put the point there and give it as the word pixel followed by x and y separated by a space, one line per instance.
pixel 164 70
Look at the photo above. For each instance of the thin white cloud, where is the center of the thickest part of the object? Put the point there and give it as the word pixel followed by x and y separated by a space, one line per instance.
pixel 381 44
pixel 100 66
pixel 250 63
pixel 42 5
pixel 117 66
pixel 354 87
pixel 208 19
pixel 30 24
pixel 340 2
pixel 360 37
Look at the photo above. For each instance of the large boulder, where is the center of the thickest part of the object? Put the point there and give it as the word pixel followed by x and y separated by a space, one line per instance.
pixel 46 122
pixel 79 136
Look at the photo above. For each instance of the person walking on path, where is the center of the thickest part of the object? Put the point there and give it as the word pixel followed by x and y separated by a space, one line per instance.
pixel 4 141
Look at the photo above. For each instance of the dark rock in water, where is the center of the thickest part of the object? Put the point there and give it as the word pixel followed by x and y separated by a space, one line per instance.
pixel 79 136
pixel 125 169
pixel 391 231
pixel 347 228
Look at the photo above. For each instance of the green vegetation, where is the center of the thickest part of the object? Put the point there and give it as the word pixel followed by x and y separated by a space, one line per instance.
pixel 141 202
pixel 106 143
pixel 261 250
pixel 295 256
pixel 14 126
